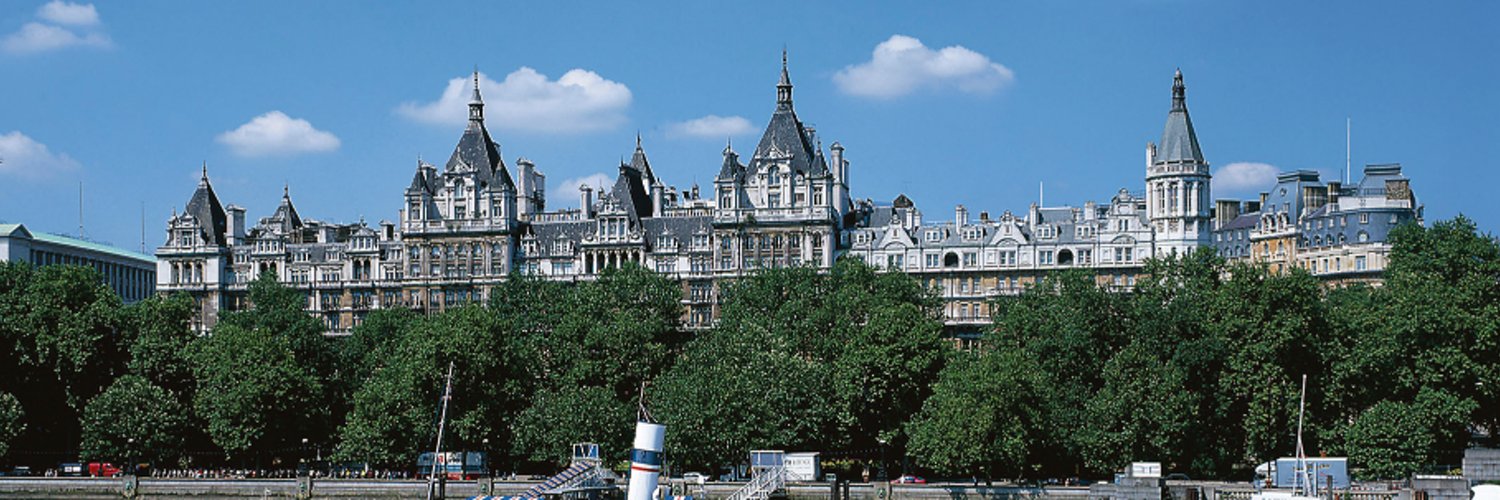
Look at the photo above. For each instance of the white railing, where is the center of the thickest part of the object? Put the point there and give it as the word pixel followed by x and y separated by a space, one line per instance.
pixel 762 485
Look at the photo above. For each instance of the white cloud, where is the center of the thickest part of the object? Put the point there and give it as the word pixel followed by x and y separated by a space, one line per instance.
pixel 38 37
pixel 21 156
pixel 711 126
pixel 902 64
pixel 1244 177
pixel 565 194
pixel 275 133
pixel 579 101
pixel 75 14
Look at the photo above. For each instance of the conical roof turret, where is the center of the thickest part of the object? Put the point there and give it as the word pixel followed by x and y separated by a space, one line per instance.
pixel 1179 142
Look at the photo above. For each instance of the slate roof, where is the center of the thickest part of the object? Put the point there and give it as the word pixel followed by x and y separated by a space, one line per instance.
pixel 204 206
pixel 630 191
pixel 476 151
pixel 731 168
pixel 1244 221
pixel 786 138
pixel 1179 142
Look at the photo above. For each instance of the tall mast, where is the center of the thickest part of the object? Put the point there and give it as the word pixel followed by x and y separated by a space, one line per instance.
pixel 1349 153
pixel 443 419
pixel 1304 478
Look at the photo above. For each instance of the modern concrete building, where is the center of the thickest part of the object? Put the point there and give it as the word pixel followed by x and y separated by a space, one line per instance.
pixel 130 274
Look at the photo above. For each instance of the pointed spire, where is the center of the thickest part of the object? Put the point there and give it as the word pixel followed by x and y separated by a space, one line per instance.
pixel 286 190
pixel 476 104
pixel 1179 92
pixel 203 181
pixel 1179 142
pixel 637 140
pixel 784 89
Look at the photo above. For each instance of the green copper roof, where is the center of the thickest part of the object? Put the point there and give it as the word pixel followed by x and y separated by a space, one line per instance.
pixel 7 229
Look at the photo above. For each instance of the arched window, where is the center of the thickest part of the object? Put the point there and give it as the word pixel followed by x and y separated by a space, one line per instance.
pixel 1064 257
pixel 950 260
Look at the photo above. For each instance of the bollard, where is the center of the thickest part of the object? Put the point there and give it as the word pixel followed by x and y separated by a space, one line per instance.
pixel 130 486
pixel 304 486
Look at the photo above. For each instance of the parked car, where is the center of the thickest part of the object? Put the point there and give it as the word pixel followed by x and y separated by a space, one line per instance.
pixel 694 478
pixel 103 469
pixel 909 479
pixel 20 470
pixel 70 469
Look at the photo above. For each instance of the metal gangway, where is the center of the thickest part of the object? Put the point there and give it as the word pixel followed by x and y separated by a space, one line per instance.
pixel 767 476
pixel 584 478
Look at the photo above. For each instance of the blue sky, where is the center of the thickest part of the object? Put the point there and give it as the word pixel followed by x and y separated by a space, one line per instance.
pixel 972 103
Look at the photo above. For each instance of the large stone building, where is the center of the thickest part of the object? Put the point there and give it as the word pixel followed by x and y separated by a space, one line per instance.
pixel 1333 231
pixel 471 223
pixel 132 275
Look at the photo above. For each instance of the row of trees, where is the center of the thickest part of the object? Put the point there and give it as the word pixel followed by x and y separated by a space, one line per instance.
pixel 1200 368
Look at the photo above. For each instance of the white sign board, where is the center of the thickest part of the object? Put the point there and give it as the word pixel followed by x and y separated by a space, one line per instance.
pixel 1145 469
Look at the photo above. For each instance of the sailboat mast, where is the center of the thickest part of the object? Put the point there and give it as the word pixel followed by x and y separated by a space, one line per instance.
pixel 1303 477
pixel 442 419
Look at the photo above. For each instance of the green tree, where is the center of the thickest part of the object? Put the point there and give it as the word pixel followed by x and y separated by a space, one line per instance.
pixel 60 342
pixel 558 418
pixel 12 421
pixel 395 411
pixel 802 359
pixel 134 420
pixel 252 392
pixel 1394 439
pixel 158 337
pixel 985 417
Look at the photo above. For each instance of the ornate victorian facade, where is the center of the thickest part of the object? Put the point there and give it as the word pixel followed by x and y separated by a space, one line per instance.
pixel 475 221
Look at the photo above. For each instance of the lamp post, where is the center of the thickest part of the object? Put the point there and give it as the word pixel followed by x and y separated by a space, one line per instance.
pixel 130 456
pixel 486 448
pixel 884 474
pixel 305 464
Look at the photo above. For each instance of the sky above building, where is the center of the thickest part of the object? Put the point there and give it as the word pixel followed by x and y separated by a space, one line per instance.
pixel 986 104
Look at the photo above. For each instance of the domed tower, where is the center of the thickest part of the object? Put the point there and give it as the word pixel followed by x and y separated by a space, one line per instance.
pixel 1178 182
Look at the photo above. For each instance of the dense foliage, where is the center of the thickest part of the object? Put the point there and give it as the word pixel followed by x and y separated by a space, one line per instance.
pixel 1199 367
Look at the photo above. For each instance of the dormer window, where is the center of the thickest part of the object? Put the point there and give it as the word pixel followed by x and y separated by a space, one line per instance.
pixel 934 236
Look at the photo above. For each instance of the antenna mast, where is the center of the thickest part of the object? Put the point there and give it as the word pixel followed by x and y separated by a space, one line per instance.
pixel 143 227
pixel 1349 143
pixel 80 210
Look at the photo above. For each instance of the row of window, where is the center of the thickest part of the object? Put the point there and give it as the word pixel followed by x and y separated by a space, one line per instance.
pixel 131 283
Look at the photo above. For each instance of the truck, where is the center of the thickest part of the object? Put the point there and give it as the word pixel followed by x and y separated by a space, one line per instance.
pixel 455 465
pixel 1321 470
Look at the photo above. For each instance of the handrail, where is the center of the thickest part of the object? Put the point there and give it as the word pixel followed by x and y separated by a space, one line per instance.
pixel 762 485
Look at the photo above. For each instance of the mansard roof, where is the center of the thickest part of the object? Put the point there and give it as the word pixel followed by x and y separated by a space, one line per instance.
pixel 630 190
pixel 731 168
pixel 286 214
pixel 1179 142
pixel 477 152
pixel 204 206
pixel 786 138
pixel 424 181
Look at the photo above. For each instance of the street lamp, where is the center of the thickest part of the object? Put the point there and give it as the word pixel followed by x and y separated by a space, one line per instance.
pixel 485 445
pixel 884 474
pixel 306 465
pixel 130 456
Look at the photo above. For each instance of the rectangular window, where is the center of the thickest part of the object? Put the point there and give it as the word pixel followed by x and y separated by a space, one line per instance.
pixel 971 259
pixel 1360 263
pixel 933 260
pixel 1045 257
pixel 1364 218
